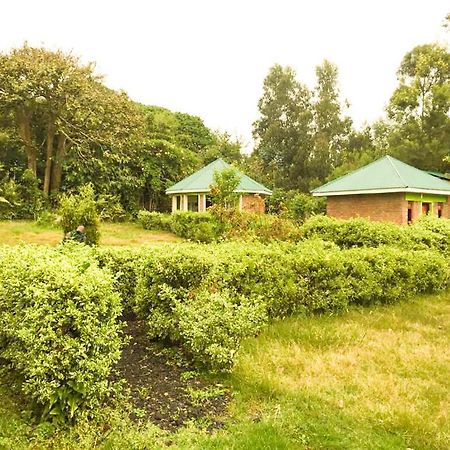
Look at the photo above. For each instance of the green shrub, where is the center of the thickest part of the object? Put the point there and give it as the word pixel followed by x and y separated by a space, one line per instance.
pixel 11 202
pixel 212 326
pixel 302 206
pixel 151 220
pixel 81 209
pixel 289 278
pixel 125 264
pixel 110 209
pixel 425 233
pixel 59 332
pixel 198 227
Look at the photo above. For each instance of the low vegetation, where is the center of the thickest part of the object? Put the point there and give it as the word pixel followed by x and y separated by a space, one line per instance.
pixel 59 332
pixel 377 375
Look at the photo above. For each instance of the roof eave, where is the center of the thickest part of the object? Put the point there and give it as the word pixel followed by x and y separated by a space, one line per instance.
pixel 381 191
pixel 206 191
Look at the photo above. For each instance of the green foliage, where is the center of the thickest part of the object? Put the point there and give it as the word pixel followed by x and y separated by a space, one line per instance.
pixel 426 233
pixel 151 220
pixel 197 227
pixel 110 208
pixel 284 129
pixel 212 326
pixel 78 210
pixel 419 107
pixel 225 182
pixel 300 133
pixel 125 264
pixel 302 206
pixel 285 278
pixel 10 199
pixel 31 199
pixel 59 333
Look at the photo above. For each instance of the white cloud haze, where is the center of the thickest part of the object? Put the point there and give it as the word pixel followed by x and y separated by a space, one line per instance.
pixel 209 58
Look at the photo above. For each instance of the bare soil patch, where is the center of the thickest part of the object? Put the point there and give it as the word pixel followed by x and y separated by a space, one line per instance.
pixel 164 387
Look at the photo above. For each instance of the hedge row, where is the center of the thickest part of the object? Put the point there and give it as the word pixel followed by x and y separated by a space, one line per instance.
pixel 425 233
pixel 59 333
pixel 210 297
pixel 221 224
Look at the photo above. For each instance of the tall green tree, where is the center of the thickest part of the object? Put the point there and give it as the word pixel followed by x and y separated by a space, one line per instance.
pixel 419 108
pixel 331 128
pixel 283 132
pixel 61 110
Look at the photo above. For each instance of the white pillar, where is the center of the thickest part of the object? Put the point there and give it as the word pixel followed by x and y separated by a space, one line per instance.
pixel 241 202
pixel 185 202
pixel 174 203
pixel 203 196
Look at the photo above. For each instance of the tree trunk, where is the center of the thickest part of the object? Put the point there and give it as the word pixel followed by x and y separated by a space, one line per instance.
pixel 24 123
pixel 57 164
pixel 49 158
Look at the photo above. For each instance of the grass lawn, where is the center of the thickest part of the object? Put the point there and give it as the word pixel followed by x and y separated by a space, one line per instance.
pixel 372 378
pixel 116 234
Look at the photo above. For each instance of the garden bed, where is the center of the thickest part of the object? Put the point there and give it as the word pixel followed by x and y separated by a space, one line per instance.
pixel 163 387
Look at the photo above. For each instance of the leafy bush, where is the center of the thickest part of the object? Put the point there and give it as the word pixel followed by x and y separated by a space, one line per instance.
pixel 10 199
pixel 289 278
pixel 151 220
pixel 427 232
pixel 198 227
pixel 110 208
pixel 302 206
pixel 58 326
pixel 32 201
pixel 212 326
pixel 125 264
pixel 81 209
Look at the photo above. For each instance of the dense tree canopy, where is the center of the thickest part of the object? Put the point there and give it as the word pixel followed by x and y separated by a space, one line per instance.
pixel 61 128
pixel 300 134
pixel 419 108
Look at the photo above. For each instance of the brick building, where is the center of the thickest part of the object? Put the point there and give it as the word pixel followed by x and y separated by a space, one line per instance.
pixel 387 190
pixel 193 193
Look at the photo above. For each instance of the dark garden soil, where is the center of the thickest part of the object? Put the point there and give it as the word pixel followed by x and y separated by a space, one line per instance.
pixel 164 388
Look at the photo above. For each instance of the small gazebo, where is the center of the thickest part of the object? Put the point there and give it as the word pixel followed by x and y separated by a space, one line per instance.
pixel 193 192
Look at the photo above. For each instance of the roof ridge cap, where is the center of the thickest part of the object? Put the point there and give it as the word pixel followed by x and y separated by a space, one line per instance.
pixel 389 158
pixel 350 173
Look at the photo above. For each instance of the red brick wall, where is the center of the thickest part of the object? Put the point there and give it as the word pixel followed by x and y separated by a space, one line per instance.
pixel 378 207
pixel 253 203
pixel 446 209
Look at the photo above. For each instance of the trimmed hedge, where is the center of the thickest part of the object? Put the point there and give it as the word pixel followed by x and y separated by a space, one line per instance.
pixel 425 233
pixel 59 332
pixel 151 220
pixel 220 224
pixel 190 290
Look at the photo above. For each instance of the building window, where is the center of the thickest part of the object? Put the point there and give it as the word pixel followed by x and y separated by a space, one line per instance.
pixel 425 208
pixel 193 203
pixel 409 212
pixel 440 206
pixel 178 202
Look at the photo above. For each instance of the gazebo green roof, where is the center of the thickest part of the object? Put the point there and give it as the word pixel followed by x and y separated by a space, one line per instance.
pixel 384 175
pixel 201 181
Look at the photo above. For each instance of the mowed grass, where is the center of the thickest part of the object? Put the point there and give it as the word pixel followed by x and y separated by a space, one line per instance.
pixel 114 234
pixel 371 378
pixel 374 378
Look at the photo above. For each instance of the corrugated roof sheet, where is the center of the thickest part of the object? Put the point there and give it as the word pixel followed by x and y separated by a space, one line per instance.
pixel 385 174
pixel 201 181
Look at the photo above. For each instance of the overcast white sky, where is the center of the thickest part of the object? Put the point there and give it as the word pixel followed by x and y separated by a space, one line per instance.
pixel 209 58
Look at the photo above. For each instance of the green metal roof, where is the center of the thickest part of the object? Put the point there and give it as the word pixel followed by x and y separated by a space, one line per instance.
pixel 384 175
pixel 201 181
